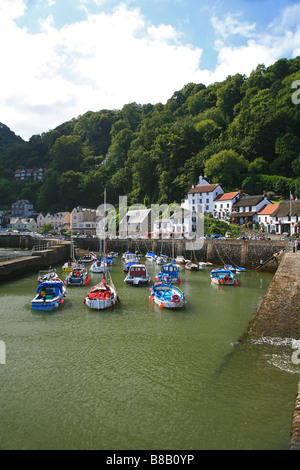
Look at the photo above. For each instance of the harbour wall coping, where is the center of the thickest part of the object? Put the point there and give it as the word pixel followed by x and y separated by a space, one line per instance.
pixel 13 269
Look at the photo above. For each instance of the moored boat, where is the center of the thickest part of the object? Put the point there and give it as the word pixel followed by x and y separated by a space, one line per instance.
pixel 102 295
pixel 48 275
pixel 180 260
pixel 50 295
pixel 88 258
pixel 137 275
pixel 167 296
pixel 98 266
pixel 78 277
pixel 191 266
pixel 169 273
pixel 223 277
pixel 230 267
pixel 150 256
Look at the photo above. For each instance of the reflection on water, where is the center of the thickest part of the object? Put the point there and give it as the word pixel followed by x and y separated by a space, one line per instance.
pixel 138 377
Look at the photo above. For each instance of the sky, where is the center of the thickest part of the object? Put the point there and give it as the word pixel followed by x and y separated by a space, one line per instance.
pixel 62 58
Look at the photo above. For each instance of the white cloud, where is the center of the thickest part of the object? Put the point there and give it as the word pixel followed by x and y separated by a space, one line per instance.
pixel 108 60
pixel 232 25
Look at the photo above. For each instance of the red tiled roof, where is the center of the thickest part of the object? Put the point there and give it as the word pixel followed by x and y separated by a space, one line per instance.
pixel 268 209
pixel 205 188
pixel 226 196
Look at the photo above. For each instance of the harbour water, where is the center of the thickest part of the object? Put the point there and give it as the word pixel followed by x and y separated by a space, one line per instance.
pixel 139 377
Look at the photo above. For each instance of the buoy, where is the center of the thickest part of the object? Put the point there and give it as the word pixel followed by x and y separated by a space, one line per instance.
pixel 161 306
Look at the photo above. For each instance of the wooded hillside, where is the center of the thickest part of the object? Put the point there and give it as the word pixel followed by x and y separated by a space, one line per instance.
pixel 242 133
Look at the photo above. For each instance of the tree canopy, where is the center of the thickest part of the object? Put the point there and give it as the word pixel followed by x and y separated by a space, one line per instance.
pixel 242 133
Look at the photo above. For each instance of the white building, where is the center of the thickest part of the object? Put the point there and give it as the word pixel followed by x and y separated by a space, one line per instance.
pixel 247 208
pixel 59 220
pixel 84 221
pixel 138 223
pixel 22 224
pixel 224 203
pixel 285 219
pixel 163 228
pixel 202 196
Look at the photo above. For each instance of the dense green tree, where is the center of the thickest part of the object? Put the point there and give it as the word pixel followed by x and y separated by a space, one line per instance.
pixel 68 153
pixel 226 168
pixel 241 132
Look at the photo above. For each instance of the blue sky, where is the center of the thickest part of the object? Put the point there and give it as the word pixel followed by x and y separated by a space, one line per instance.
pixel 61 58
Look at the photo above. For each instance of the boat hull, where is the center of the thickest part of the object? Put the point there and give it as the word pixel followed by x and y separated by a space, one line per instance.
pixel 39 304
pixel 167 296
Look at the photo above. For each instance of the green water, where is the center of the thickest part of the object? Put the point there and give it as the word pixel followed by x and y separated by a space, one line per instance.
pixel 138 377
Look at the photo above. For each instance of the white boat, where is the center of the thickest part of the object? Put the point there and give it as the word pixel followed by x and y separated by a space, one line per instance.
pixel 137 275
pixel 70 265
pixel 48 275
pixel 98 266
pixel 180 260
pixel 88 258
pixel 167 296
pixel 103 295
pixel 223 277
pixel 191 266
pixel 161 259
pixel 150 256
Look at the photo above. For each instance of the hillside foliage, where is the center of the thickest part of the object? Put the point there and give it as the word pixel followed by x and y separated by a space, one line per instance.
pixel 242 133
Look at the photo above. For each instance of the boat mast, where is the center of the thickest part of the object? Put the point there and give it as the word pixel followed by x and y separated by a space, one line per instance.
pixel 104 241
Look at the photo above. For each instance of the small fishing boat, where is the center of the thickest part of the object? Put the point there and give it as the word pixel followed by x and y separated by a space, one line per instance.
pixel 230 267
pixel 69 266
pixel 137 275
pixel 88 259
pixel 191 266
pixel 150 256
pixel 161 259
pixel 128 266
pixel 78 277
pixel 180 260
pixel 50 295
pixel 239 269
pixel 98 266
pixel 167 296
pixel 223 277
pixel 48 275
pixel 129 260
pixel 168 273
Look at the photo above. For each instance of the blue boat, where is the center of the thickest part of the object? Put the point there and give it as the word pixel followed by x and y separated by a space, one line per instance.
pixel 109 260
pixel 230 267
pixel 169 273
pixel 150 255
pixel 223 277
pixel 167 296
pixel 128 265
pixel 50 295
